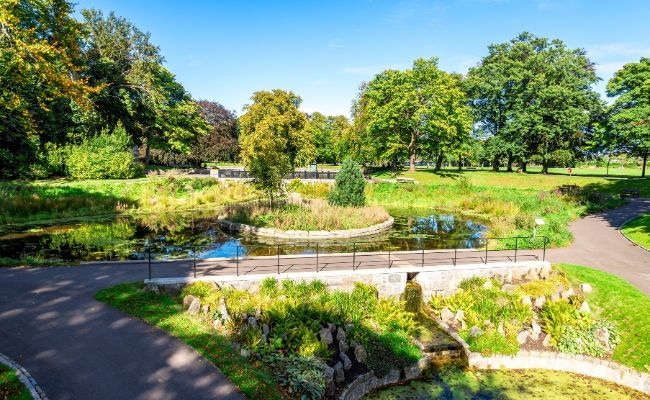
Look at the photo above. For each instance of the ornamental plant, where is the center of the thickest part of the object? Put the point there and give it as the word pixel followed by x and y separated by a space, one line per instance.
pixel 349 187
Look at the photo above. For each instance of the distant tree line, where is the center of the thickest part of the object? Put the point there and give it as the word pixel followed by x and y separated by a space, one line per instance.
pixel 70 87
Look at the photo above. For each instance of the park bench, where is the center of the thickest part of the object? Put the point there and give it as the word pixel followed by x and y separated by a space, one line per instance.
pixel 402 179
pixel 569 189
pixel 470 168
pixel 630 192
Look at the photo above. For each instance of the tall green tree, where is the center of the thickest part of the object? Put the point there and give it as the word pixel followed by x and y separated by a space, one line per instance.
pixel 327 133
pixel 222 141
pixel 42 79
pixel 630 113
pixel 403 113
pixel 537 95
pixel 273 139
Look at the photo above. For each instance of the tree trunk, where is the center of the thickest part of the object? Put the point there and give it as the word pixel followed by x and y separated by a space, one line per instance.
pixel 412 146
pixel 510 160
pixel 147 150
pixel 460 162
pixel 645 162
pixel 545 167
pixel 523 167
pixel 439 160
pixel 495 164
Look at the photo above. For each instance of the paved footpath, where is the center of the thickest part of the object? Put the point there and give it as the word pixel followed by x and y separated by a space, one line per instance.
pixel 598 243
pixel 78 348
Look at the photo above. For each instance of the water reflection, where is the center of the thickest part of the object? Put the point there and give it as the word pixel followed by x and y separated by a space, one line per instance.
pixel 181 235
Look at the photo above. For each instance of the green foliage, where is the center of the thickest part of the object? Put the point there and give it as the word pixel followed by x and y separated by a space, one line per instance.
pixel 309 190
pixel 469 284
pixel 349 187
pixel 106 156
pixel 199 289
pixel 388 350
pixel 303 376
pixel 583 339
pixel 10 386
pixel 413 297
pixel 492 342
pixel 638 231
pixel 557 316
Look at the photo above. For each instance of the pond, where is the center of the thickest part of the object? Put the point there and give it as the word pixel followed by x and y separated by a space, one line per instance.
pixel 178 235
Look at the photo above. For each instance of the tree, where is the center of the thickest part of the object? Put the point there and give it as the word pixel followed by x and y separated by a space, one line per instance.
pixel 349 186
pixel 41 79
pixel 272 138
pixel 630 113
pixel 327 133
pixel 221 142
pixel 536 94
pixel 402 113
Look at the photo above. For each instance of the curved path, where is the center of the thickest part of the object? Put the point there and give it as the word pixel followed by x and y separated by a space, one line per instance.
pixel 598 243
pixel 79 348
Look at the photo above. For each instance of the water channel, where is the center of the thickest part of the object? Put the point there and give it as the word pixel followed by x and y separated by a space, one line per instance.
pixel 179 235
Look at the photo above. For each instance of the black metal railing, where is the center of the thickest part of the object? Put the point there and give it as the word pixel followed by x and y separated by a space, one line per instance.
pixel 243 174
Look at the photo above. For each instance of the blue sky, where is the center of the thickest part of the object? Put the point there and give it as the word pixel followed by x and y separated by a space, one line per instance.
pixel 323 50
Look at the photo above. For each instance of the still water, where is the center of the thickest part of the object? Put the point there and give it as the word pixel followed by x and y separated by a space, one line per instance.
pixel 176 235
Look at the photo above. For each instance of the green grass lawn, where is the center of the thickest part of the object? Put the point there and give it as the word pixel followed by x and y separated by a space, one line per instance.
pixel 10 387
pixel 625 305
pixel 162 311
pixel 511 384
pixel 638 231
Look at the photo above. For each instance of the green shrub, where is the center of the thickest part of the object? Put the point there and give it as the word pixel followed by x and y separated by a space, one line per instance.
pixel 582 339
pixel 106 156
pixel 388 350
pixel 349 187
pixel 413 297
pixel 493 342
pixel 199 289
pixel 302 376
pixel 556 316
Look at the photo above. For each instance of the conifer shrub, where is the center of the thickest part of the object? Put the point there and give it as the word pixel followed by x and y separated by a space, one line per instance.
pixel 349 187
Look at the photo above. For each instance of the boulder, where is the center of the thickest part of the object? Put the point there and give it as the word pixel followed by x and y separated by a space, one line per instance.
pixel 475 331
pixel 347 363
pixel 540 301
pixel 602 335
pixel 341 336
pixel 265 329
pixel 500 329
pixel 446 315
pixel 325 336
pixel 245 353
pixel 508 277
pixel 459 316
pixel 252 322
pixel 547 340
pixel 584 307
pixel 187 301
pixel 556 296
pixel 339 374
pixel 568 293
pixel 205 309
pixel 508 288
pixel 522 337
pixel 332 327
pixel 526 301
pixel 343 346
pixel 330 386
pixel 360 354
pixel 536 328
pixel 488 284
pixel 586 288
pixel 532 275
pixel 194 307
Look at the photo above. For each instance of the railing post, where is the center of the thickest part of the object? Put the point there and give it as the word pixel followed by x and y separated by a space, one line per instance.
pixel 237 260
pixel 194 259
pixel 544 253
pixel 316 257
pixel 516 248
pixel 278 259
pixel 486 249
pixel 354 256
pixel 149 253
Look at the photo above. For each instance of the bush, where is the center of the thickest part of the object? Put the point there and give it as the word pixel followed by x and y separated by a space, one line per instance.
pixel 106 156
pixel 349 187
pixel 199 289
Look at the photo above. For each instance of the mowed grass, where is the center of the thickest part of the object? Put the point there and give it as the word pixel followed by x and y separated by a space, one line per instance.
pixel 510 384
pixel 163 312
pixel 10 387
pixel 618 301
pixel 638 231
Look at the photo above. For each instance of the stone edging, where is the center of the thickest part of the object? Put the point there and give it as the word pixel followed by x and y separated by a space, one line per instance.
pixel 24 377
pixel 278 233
pixel 368 382
pixel 579 364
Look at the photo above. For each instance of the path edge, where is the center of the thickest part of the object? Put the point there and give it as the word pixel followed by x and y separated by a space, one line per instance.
pixel 24 377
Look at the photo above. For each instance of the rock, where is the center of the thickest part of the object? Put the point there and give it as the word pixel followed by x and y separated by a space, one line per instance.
pixel 325 336
pixel 508 278
pixel 568 293
pixel 463 325
pixel 488 284
pixel 360 354
pixel 534 336
pixel 545 273
pixel 339 374
pixel 343 346
pixel 446 315
pixel 522 337
pixel 586 288
pixel 508 288
pixel 187 301
pixel 584 307
pixel 332 327
pixel 475 331
pixel 488 324
pixel 459 316
pixel 536 328
pixel 602 334
pixel 547 340
pixel 341 336
pixel 526 301
pixel 265 329
pixel 252 321
pixel 245 353
pixel 500 329
pixel 347 363
pixel 152 287
pixel 194 307
pixel 532 275
pixel 330 386
pixel 540 301
pixel 556 296
pixel 205 309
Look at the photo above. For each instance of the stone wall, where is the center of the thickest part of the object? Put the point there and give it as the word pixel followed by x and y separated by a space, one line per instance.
pixel 278 233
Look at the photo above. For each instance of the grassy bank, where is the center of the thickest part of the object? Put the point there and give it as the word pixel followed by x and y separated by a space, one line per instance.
pixel 315 216
pixel 166 314
pixel 40 201
pixel 622 303
pixel 10 387
pixel 638 231
pixel 511 385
